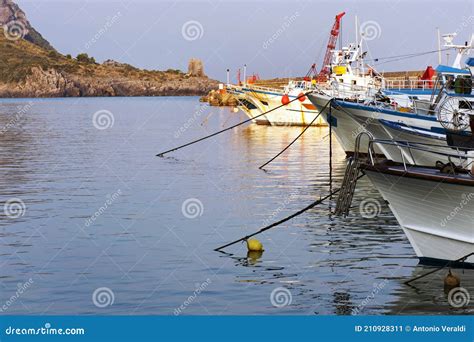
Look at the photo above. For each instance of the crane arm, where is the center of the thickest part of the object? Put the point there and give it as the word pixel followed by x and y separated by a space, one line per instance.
pixel 325 71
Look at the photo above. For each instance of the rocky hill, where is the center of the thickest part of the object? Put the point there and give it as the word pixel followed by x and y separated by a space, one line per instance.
pixel 31 67
pixel 14 21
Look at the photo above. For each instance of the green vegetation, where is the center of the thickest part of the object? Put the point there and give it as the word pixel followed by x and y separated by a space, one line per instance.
pixel 174 71
pixel 53 54
pixel 35 37
pixel 84 58
pixel 19 57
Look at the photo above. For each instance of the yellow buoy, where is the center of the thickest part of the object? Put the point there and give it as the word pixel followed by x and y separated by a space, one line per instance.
pixel 254 245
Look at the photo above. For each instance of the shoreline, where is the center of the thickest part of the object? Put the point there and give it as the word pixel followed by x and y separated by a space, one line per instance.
pixel 97 97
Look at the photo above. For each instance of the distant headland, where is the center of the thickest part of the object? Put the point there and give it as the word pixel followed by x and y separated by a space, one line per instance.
pixel 31 67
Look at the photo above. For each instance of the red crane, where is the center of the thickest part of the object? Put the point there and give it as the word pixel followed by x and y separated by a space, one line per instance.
pixel 312 72
pixel 324 73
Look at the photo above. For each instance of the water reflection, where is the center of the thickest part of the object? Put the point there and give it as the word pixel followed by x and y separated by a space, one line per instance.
pixel 428 295
pixel 253 257
pixel 144 249
pixel 342 303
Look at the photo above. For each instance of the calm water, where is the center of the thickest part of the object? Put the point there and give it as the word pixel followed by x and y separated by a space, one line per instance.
pixel 101 211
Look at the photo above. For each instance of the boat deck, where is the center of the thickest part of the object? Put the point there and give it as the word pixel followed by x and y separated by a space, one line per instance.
pixel 462 177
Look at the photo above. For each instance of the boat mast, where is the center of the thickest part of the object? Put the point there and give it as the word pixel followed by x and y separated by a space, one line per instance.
pixel 460 49
pixel 245 74
pixel 439 46
pixel 357 39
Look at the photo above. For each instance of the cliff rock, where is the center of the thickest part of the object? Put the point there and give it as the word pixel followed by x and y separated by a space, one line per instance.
pixel 32 68
pixel 54 83
pixel 16 25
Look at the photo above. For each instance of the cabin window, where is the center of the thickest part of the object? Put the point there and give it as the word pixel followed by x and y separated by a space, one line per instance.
pixel 464 104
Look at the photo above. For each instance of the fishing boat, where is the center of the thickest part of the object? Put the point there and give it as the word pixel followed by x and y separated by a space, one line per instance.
pixel 343 78
pixel 433 205
pixel 403 89
pixel 343 73
pixel 254 100
pixel 424 121
pixel 287 106
pixel 400 114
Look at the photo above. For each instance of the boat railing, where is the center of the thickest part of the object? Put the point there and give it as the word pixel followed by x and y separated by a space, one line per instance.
pixel 465 156
pixel 375 98
pixel 296 85
pixel 347 90
pixel 233 87
pixel 367 95
pixel 409 84
pixel 262 88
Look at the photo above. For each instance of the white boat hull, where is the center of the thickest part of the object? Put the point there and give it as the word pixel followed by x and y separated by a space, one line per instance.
pixel 296 113
pixel 437 217
pixel 423 156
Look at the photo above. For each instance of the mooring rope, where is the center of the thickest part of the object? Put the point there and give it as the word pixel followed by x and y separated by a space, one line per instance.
pixel 299 135
pixel 391 59
pixel 229 128
pixel 312 205
pixel 462 259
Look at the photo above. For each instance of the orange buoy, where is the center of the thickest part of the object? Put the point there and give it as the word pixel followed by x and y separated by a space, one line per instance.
pixel 285 100
pixel 451 281
pixel 301 97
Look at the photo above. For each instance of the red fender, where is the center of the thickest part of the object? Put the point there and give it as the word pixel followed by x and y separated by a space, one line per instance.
pixel 285 100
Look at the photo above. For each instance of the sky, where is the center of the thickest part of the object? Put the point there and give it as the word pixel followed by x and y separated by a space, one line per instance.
pixel 273 38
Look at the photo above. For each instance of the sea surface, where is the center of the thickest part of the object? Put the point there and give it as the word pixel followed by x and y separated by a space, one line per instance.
pixel 92 222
